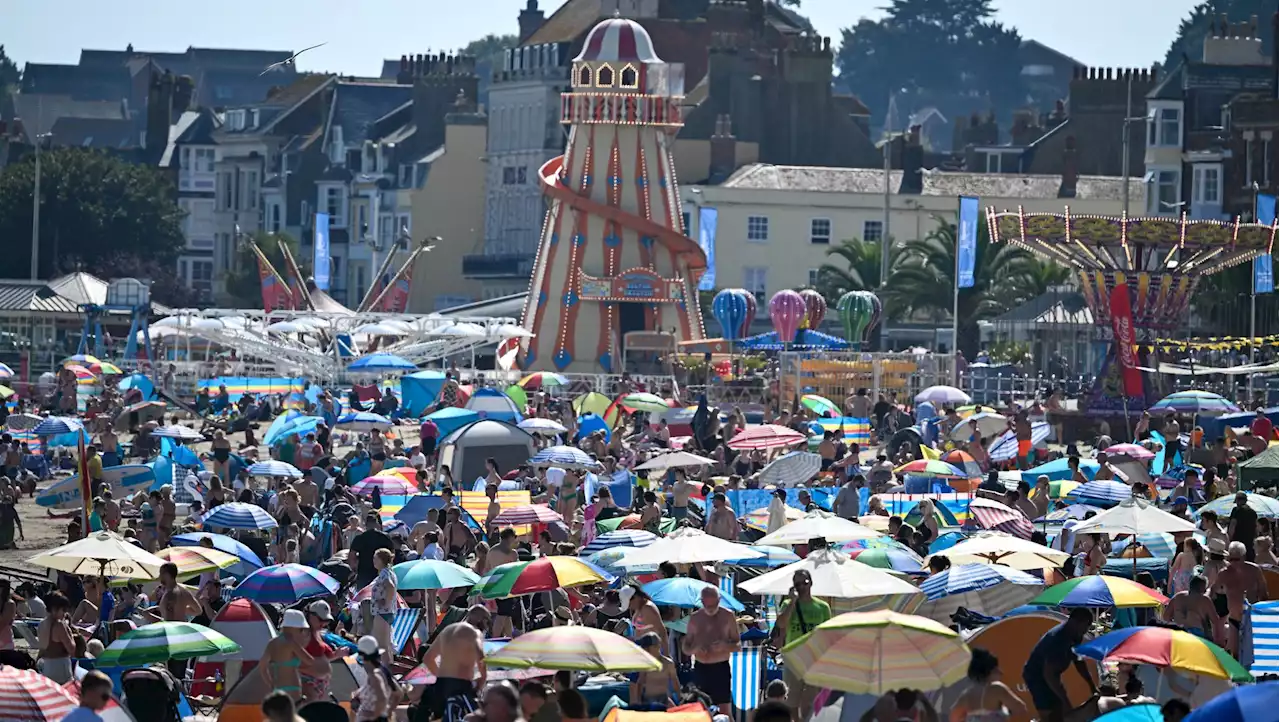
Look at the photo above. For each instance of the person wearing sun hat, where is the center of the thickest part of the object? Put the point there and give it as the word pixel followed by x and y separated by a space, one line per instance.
pixel 373 701
pixel 316 676
pixel 285 655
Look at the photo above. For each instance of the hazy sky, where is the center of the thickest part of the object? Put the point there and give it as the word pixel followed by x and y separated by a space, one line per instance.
pixel 1119 33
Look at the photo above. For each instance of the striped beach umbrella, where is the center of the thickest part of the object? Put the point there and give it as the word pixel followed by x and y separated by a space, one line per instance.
pixel 766 436
pixel 285 584
pixel 1101 493
pixel 81 359
pixel 528 514
pixel 197 560
pixel 543 427
pixel 994 516
pixel 563 457
pixel 272 467
pixel 581 649
pixel 57 425
pixel 874 652
pixel 363 421
pixel 103 368
pixel 1133 451
pixel 543 379
pixel 1005 446
pixel 819 405
pixel 178 432
pixel 28 696
pixel 540 575
pixel 770 557
pixel 642 401
pixel 1100 592
pixel 991 589
pixel 239 515
pixel 6 372
pixel 635 538
pixel 1166 648
pixel 163 641
pixel 1264 505
pixel 607 559
pixel 1203 403
pixel 248 560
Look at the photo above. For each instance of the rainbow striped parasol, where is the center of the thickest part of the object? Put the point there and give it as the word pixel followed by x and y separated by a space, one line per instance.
pixel 580 649
pixel 1168 648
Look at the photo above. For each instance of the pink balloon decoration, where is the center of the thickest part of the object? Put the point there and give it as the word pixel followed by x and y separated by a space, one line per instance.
pixel 787 309
pixel 815 308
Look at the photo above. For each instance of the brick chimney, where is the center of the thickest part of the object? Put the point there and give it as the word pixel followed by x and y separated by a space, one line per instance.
pixel 1026 128
pixel 531 18
pixel 184 90
pixel 1231 43
pixel 1070 173
pixel 724 150
pixel 159 116
pixel 912 163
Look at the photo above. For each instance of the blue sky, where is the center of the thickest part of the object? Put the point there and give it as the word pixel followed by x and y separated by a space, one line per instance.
pixel 1119 33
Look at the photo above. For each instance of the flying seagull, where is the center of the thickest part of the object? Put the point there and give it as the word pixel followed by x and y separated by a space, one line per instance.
pixel 289 61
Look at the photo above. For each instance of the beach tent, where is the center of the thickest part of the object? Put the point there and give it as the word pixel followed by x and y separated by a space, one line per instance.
pixel 465 450
pixel 495 405
pixel 244 623
pixel 419 391
pixel 243 702
pixel 1057 470
pixel 451 419
pixel 1261 470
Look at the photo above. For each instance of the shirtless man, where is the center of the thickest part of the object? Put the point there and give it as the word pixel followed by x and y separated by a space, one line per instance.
pixel 711 639
pixel 308 492
pixel 681 490
pixel 1192 610
pixel 110 447
pixel 166 515
pixel 1243 581
pixel 457 537
pixel 1022 432
pixel 722 522
pixel 111 510
pixel 12 459
pixel 504 552
pixel 176 604
pixel 456 658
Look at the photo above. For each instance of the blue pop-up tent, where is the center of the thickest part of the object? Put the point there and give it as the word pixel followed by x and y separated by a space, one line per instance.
pixel 451 419
pixel 419 391
pixel 1057 470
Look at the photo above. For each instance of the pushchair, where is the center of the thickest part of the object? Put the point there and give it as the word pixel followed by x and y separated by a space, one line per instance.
pixel 151 695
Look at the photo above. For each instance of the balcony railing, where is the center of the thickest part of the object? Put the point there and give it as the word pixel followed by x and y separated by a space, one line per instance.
pixel 503 265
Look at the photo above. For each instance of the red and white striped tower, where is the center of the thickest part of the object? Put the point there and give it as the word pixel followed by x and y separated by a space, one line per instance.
pixel 614 257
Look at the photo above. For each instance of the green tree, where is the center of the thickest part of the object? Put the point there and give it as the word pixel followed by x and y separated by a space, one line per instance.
pixel 1046 274
pixel 9 73
pixel 488 52
pixel 923 278
pixel 92 206
pixel 244 285
pixel 945 54
pixel 1195 26
pixel 858 269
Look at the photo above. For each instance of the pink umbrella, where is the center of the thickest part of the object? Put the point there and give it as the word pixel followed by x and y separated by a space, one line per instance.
pixel 768 436
pixel 1133 451
pixel 988 514
pixel 528 514
pixel 386 485
pixel 787 309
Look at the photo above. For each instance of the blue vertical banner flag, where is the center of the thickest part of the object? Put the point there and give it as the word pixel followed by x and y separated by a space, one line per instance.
pixel 1264 280
pixel 967 242
pixel 320 265
pixel 707 218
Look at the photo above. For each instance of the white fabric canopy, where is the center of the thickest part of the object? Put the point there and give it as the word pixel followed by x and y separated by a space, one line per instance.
pixel 688 546
pixel 835 575
pixel 818 524
pixel 1134 516
pixel 1006 549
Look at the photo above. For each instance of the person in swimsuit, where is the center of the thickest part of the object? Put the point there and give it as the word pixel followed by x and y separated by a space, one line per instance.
pixel 457 537
pixel 1192 610
pixel 456 658
pixel 285 655
pixel 1049 659
pixel 1184 565
pixel 644 613
pixel 221 455
pixel 1243 584
pixel 987 699
pixel 57 642
pixel 654 691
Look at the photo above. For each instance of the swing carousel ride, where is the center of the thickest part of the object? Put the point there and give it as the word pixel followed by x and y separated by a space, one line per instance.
pixel 1137 276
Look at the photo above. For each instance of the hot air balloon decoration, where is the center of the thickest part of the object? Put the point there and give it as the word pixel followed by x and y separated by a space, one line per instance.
pixel 729 307
pixel 876 314
pixel 856 309
pixel 815 308
pixel 786 310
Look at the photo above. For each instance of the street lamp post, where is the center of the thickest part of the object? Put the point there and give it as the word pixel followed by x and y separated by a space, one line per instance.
pixel 35 211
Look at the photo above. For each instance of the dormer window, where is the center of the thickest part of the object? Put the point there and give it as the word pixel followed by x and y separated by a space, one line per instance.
pixel 604 77
pixel 584 76
pixel 628 77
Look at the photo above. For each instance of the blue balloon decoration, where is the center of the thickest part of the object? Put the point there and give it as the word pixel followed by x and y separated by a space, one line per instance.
pixel 729 308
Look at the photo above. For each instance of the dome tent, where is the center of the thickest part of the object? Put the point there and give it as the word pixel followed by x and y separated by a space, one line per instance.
pixel 465 450
pixel 495 405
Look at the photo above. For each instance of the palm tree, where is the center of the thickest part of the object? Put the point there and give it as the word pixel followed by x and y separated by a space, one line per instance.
pixel 923 280
pixel 860 270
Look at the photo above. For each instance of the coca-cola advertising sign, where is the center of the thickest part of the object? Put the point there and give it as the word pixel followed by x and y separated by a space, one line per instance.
pixel 1122 327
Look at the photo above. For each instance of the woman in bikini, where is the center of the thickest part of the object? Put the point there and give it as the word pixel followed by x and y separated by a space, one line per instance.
pixel 57 643
pixel 1184 565
pixel 987 699
pixel 286 654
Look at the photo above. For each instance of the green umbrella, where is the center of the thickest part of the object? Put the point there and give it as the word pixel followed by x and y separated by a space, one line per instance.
pixel 163 641
pixel 665 526
pixel 433 574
